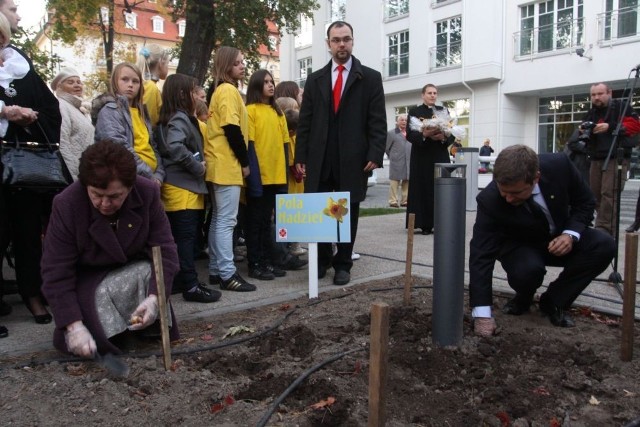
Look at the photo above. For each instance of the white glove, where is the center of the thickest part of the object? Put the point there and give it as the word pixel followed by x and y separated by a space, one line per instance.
pixel 79 340
pixel 148 311
pixel 484 326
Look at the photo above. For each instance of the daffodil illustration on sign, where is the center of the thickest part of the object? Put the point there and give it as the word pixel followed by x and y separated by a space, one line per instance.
pixel 336 210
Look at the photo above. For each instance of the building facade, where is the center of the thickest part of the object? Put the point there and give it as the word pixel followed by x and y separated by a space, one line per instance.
pixel 513 71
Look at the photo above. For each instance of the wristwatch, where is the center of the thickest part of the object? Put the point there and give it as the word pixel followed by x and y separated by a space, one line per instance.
pixel 574 238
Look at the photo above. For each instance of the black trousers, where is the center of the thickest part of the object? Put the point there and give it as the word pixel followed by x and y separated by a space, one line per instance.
pixel 525 267
pixel 28 216
pixel 258 231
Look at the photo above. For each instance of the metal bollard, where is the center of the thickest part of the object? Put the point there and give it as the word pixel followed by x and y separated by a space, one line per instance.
pixel 448 254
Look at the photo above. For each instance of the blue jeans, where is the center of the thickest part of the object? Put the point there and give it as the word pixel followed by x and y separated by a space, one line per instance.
pixel 224 213
pixel 184 227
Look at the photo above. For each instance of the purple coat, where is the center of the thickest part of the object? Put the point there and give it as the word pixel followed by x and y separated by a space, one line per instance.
pixel 80 248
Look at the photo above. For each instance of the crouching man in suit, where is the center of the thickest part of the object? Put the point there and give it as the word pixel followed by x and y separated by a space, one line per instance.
pixel 535 213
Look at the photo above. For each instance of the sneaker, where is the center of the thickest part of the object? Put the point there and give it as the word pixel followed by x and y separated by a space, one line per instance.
pixel 202 294
pixel 214 279
pixel 292 262
pixel 237 283
pixel 257 271
pixel 277 272
pixel 355 256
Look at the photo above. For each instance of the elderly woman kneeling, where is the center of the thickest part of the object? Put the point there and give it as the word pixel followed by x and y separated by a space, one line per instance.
pixel 96 268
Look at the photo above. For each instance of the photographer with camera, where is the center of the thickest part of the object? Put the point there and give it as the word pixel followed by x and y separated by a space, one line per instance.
pixel 596 132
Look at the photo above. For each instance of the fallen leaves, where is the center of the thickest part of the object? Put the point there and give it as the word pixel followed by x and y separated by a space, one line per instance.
pixel 598 317
pixel 324 403
pixel 76 369
pixel 235 330
pixel 540 390
pixel 504 418
pixel 219 406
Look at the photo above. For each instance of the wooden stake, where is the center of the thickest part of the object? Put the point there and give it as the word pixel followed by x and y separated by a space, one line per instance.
pixel 629 295
pixel 408 279
pixel 378 347
pixel 162 303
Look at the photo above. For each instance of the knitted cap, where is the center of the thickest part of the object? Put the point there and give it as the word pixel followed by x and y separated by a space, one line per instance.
pixel 63 75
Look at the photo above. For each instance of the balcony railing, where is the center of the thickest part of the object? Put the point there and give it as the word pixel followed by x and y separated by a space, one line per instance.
pixel 562 35
pixel 395 65
pixel 396 9
pixel 618 24
pixel 445 56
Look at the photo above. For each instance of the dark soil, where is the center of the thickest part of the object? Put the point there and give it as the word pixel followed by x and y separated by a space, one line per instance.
pixel 530 374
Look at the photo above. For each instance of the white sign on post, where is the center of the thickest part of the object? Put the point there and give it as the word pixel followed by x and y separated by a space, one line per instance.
pixel 313 218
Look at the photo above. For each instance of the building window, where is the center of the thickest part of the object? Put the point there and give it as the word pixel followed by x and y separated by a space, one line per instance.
pixel 182 25
pixel 157 24
pixel 131 20
pixel 338 10
pixel 396 8
pixel 619 21
pixel 305 35
pixel 448 49
pixel 304 69
pixel 550 25
pixel 273 43
pixel 398 61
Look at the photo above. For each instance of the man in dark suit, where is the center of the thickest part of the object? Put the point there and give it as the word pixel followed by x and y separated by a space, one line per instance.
pixel 536 212
pixel 341 136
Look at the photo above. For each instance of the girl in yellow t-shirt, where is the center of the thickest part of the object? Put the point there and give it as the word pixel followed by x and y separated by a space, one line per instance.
pixel 123 119
pixel 153 61
pixel 225 152
pixel 268 133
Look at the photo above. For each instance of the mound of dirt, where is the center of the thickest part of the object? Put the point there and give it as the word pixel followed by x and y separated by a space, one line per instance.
pixel 530 374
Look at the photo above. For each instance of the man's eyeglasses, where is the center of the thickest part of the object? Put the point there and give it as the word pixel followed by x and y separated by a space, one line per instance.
pixel 337 40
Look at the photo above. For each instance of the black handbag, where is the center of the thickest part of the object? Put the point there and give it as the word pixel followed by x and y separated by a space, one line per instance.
pixel 34 166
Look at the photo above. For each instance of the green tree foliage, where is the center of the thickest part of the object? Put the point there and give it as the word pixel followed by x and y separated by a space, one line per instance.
pixel 46 65
pixel 241 24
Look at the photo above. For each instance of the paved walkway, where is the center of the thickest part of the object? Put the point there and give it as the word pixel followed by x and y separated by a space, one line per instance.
pixel 382 245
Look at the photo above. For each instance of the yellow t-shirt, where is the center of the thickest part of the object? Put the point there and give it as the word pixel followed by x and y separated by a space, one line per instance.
pixel 141 143
pixel 152 99
pixel 269 132
pixel 226 108
pixel 178 199
pixel 203 129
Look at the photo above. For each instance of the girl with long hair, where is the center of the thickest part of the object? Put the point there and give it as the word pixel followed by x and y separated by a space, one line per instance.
pixel 183 191
pixel 122 118
pixel 153 62
pixel 225 153
pixel 268 133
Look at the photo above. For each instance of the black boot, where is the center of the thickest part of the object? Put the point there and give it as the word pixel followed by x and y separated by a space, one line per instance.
pixel 633 227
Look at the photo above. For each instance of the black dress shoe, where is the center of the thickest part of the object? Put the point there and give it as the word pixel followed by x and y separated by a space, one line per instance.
pixel 633 227
pixel 4 332
pixel 515 307
pixel 5 308
pixel 557 316
pixel 341 278
pixel 322 271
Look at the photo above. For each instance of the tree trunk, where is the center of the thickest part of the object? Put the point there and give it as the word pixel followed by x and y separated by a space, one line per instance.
pixel 199 39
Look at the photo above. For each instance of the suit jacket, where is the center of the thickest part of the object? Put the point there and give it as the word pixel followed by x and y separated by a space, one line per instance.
pixel 361 127
pixel 80 248
pixel 500 226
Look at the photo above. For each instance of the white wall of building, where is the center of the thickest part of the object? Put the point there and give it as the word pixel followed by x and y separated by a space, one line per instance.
pixel 503 89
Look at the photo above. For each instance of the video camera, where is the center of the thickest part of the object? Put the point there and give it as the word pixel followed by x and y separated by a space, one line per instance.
pixel 587 129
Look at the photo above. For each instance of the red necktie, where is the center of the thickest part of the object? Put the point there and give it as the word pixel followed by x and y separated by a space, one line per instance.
pixel 337 89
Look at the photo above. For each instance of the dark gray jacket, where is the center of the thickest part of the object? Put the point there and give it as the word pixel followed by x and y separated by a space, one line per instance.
pixel 114 124
pixel 179 142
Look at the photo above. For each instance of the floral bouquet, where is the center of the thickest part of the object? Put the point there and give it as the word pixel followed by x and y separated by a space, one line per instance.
pixel 441 121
